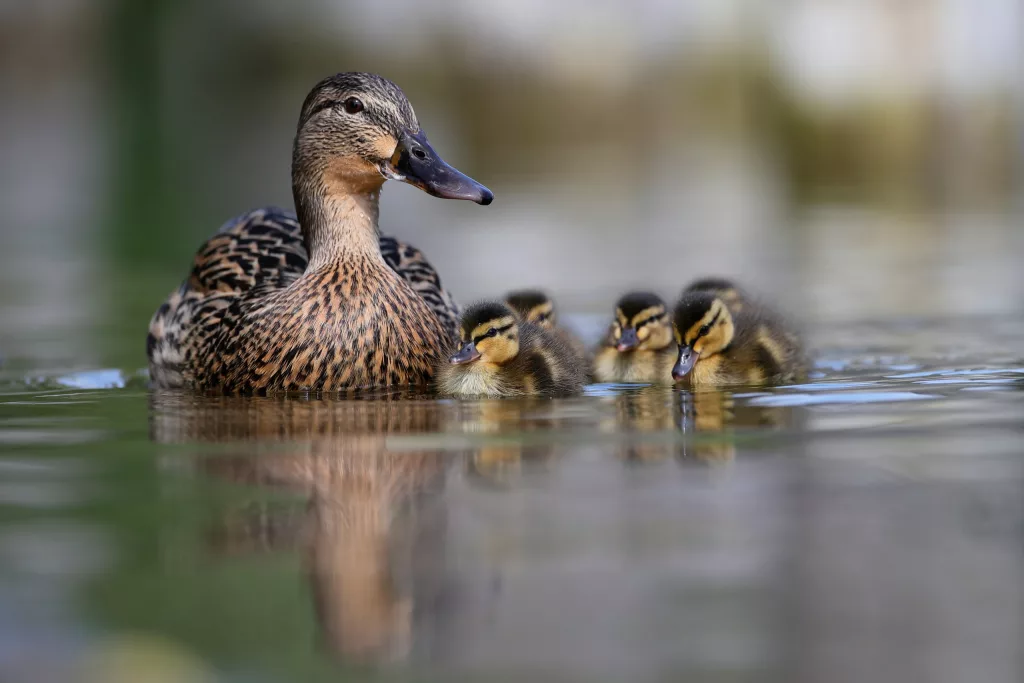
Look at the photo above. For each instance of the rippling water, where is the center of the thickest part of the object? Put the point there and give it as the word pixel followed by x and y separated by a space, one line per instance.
pixel 865 525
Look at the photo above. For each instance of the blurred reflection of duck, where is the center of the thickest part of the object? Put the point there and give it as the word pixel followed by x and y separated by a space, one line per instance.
pixel 277 303
pixel 647 418
pixel 504 432
pixel 502 355
pixel 370 530
pixel 714 417
pixel 639 345
pixel 719 347
pixel 537 307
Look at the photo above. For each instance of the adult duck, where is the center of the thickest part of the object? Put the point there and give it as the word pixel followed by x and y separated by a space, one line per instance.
pixel 319 300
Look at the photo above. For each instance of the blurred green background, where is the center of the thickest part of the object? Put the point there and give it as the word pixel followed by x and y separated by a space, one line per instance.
pixel 855 158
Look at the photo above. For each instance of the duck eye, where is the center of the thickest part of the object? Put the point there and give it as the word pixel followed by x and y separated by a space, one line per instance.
pixel 353 105
pixel 705 329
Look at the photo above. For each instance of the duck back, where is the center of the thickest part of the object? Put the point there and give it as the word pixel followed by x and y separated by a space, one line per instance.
pixel 244 320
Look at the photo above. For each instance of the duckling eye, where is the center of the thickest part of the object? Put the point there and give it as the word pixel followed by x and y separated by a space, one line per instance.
pixel 705 329
pixel 353 105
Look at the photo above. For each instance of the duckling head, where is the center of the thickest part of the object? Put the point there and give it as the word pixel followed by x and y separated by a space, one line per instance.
pixel 725 289
pixel 641 323
pixel 533 306
pixel 357 130
pixel 489 333
pixel 703 327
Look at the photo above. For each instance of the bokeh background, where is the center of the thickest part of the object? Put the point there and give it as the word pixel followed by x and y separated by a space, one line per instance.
pixel 858 159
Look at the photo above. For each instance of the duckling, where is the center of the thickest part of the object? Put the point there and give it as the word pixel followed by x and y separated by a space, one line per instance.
pixel 537 307
pixel 502 355
pixel 639 344
pixel 279 302
pixel 718 347
pixel 725 289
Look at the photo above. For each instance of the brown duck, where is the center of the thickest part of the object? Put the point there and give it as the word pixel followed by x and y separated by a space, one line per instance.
pixel 277 302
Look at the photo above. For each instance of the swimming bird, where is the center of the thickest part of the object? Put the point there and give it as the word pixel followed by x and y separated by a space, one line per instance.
pixel 319 300
pixel 503 355
pixel 639 345
pixel 535 306
pixel 718 347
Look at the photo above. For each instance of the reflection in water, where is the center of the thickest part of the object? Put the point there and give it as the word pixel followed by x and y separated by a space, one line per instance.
pixel 373 526
pixel 715 417
pixel 505 434
pixel 708 420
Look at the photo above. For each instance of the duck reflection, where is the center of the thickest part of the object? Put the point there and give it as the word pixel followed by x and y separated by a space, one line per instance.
pixel 652 418
pixel 373 528
pixel 715 418
pixel 647 419
pixel 507 434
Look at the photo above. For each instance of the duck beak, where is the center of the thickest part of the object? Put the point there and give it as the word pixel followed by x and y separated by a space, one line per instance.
pixel 628 341
pixel 687 359
pixel 416 163
pixel 467 354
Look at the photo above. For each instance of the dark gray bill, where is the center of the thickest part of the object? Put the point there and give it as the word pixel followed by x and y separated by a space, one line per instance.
pixel 467 353
pixel 683 366
pixel 628 340
pixel 416 163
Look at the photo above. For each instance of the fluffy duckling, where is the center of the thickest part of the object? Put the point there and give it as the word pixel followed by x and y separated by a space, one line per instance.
pixel 717 346
pixel 639 346
pixel 501 355
pixel 725 289
pixel 536 307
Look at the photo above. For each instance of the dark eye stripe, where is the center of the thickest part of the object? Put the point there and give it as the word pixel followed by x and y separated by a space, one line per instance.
pixel 493 332
pixel 707 328
pixel 326 104
pixel 651 319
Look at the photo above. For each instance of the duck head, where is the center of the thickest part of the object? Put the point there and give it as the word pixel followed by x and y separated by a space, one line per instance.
pixel 533 306
pixel 703 326
pixel 641 323
pixel 488 333
pixel 358 130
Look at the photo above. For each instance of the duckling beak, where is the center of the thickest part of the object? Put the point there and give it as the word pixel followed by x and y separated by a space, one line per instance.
pixel 628 341
pixel 687 359
pixel 416 163
pixel 467 354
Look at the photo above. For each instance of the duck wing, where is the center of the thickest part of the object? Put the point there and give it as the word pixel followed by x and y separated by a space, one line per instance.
pixel 254 255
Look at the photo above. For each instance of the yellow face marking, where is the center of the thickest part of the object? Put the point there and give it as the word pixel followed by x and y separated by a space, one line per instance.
pixel 650 312
pixel 621 318
pixel 484 328
pixel 541 314
pixel 691 334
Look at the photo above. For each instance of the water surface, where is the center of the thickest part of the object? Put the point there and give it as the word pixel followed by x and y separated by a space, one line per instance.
pixel 865 525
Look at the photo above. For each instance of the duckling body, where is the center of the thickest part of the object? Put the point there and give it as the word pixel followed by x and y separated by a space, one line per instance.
pixel 639 345
pixel 718 347
pixel 321 301
pixel 502 355
pixel 537 307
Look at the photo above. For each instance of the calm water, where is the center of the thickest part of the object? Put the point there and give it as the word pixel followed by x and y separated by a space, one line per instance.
pixel 867 525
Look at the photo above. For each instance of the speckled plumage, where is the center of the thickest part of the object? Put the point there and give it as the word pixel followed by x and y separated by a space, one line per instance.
pixel 234 274
pixel 279 302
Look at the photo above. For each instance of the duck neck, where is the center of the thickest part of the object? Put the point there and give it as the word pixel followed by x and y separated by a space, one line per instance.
pixel 338 219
